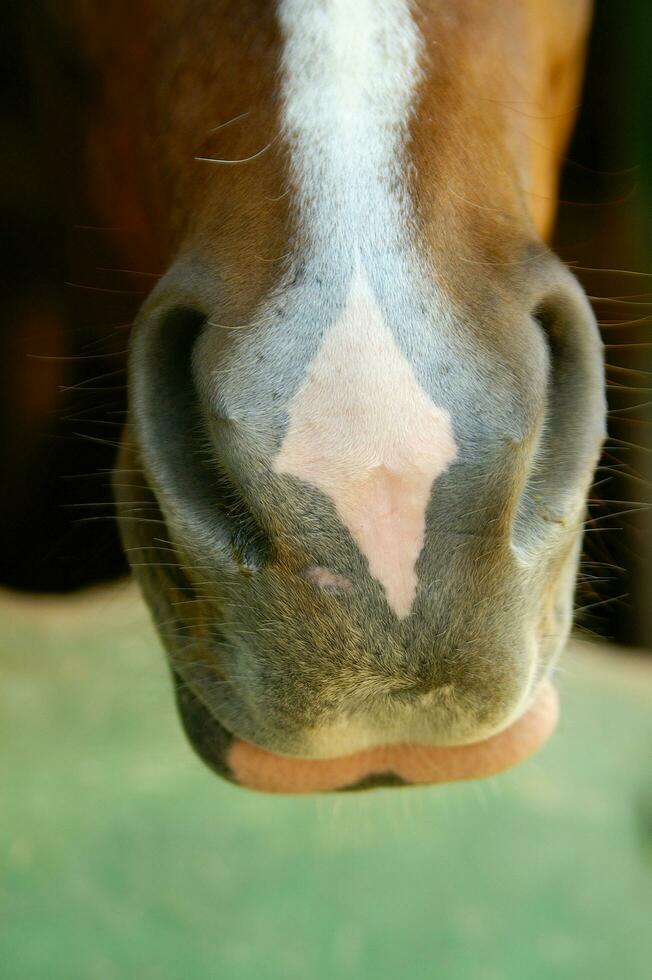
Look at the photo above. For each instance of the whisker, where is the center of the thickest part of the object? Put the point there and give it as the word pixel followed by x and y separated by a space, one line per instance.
pixel 254 156
pixel 104 289
pixel 230 122
pixel 619 272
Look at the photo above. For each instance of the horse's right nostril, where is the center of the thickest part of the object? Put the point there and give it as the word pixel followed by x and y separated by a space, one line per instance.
pixel 574 425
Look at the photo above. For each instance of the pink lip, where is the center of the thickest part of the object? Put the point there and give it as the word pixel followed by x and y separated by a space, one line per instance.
pixel 259 769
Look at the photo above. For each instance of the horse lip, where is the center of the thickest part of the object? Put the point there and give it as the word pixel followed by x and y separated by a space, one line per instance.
pixel 257 768
pixel 254 767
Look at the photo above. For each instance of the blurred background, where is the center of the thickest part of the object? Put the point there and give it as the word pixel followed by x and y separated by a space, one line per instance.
pixel 120 855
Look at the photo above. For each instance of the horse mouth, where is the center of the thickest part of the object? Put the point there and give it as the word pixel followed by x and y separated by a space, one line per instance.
pixel 256 768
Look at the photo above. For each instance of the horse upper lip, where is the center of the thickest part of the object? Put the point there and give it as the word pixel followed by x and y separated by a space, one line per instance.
pixel 260 769
pixel 234 732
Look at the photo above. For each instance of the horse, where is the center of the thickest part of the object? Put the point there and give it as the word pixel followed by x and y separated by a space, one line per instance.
pixel 366 400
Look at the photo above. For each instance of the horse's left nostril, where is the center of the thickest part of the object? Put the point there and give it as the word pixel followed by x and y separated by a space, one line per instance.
pixel 574 425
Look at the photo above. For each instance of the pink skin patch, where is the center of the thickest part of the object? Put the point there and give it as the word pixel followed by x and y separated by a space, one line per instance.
pixel 364 432
pixel 259 769
pixel 324 578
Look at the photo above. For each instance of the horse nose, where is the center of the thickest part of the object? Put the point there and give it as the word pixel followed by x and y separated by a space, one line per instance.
pixel 295 525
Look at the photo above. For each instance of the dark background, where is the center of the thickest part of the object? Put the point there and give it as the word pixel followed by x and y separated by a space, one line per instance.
pixel 65 310
pixel 604 231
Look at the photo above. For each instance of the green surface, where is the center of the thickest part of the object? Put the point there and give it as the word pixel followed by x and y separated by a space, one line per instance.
pixel 122 857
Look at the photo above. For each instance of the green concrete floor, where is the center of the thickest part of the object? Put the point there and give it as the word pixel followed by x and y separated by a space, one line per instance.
pixel 122 857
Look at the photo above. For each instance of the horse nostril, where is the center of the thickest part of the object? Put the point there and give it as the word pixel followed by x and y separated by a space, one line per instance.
pixel 203 505
pixel 574 424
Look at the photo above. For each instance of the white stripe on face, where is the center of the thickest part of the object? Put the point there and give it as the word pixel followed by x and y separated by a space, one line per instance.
pixel 364 432
pixel 361 428
pixel 349 73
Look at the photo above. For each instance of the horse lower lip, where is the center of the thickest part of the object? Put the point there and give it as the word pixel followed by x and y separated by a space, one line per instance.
pixel 259 769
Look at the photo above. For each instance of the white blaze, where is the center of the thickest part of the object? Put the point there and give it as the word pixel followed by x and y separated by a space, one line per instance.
pixel 349 72
pixel 361 428
pixel 364 432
